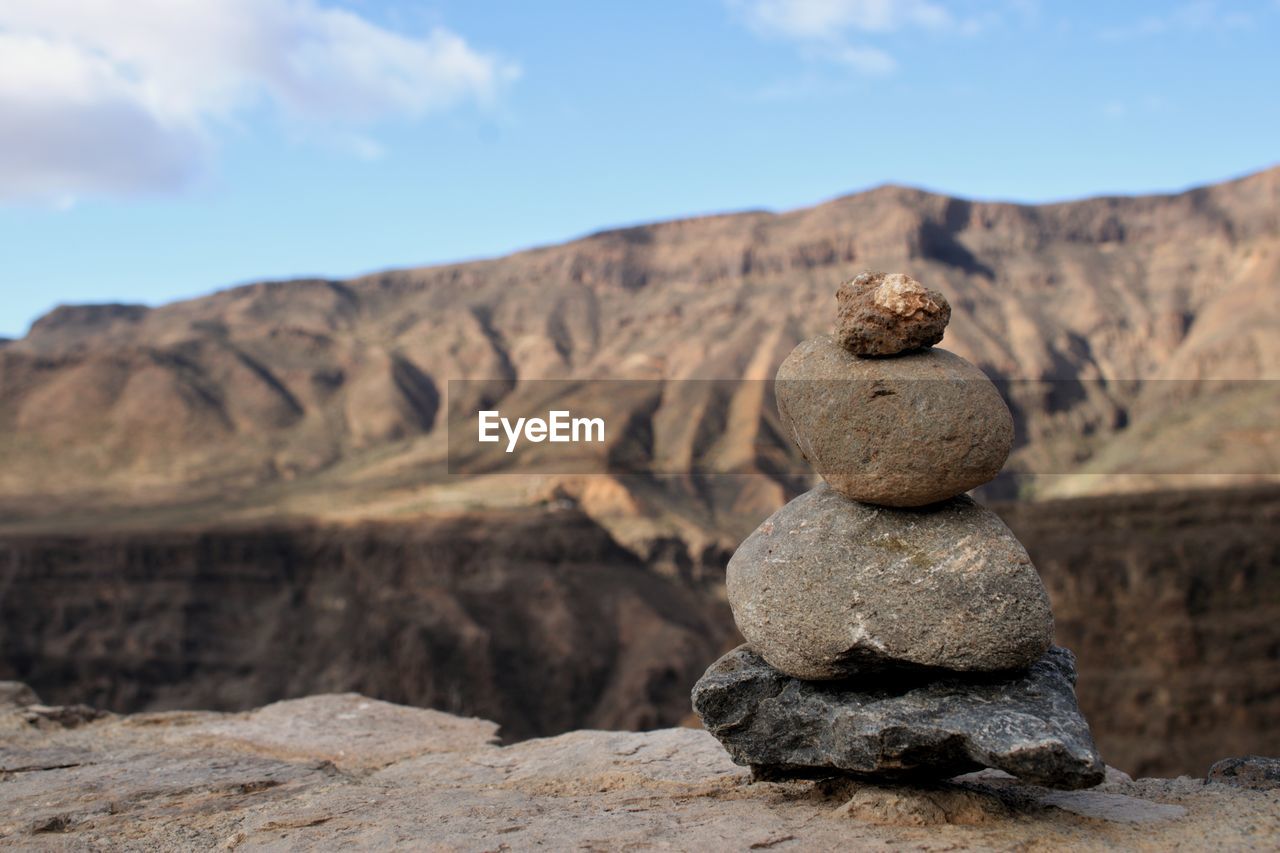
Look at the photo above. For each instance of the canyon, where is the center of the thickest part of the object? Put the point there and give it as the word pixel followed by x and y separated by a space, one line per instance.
pixel 537 619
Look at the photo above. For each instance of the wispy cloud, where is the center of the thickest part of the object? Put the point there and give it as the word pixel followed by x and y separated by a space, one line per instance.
pixel 864 58
pixel 1199 16
pixel 829 19
pixel 1146 107
pixel 102 97
pixel 842 31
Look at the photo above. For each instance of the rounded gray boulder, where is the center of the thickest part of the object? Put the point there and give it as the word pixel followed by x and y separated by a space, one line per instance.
pixel 905 431
pixel 827 587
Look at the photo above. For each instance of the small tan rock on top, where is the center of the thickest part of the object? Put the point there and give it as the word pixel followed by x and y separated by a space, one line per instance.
pixel 883 314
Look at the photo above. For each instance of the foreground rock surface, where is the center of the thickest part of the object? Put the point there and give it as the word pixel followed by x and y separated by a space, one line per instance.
pixel 904 431
pixel 827 587
pixel 343 772
pixel 884 314
pixel 1026 724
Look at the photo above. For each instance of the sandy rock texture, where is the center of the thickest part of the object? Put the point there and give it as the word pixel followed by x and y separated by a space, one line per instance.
pixel 343 771
pixel 904 431
pixel 884 314
pixel 827 587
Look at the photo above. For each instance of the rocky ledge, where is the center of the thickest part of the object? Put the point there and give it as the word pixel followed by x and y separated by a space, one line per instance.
pixel 343 771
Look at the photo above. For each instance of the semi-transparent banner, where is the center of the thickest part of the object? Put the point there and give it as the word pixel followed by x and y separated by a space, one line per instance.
pixel 733 426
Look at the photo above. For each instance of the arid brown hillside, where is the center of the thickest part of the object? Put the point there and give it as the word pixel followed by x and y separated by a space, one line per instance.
pixel 325 398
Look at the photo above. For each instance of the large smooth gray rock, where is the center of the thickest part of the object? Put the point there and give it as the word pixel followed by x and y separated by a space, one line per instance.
pixel 1026 724
pixel 884 314
pixel 905 431
pixel 827 587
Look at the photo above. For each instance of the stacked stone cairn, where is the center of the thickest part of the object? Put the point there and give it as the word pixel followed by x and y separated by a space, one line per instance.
pixel 895 628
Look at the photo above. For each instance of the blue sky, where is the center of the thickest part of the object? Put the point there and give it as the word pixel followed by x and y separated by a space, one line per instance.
pixel 151 154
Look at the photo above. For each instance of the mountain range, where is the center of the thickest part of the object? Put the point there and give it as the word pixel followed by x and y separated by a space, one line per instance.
pixel 328 399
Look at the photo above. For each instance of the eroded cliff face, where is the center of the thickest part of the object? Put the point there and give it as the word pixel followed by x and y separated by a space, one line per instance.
pixel 540 621
pixel 1172 604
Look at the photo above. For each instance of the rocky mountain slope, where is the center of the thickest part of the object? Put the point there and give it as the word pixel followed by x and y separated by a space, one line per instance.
pixel 327 398
pixel 345 771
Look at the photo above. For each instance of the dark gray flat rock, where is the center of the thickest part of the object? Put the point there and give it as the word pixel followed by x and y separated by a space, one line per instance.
pixel 927 725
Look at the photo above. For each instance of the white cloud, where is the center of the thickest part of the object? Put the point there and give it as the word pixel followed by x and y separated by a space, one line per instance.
pixel 828 19
pixel 837 30
pixel 1195 17
pixel 1146 107
pixel 99 96
pixel 362 147
pixel 868 60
